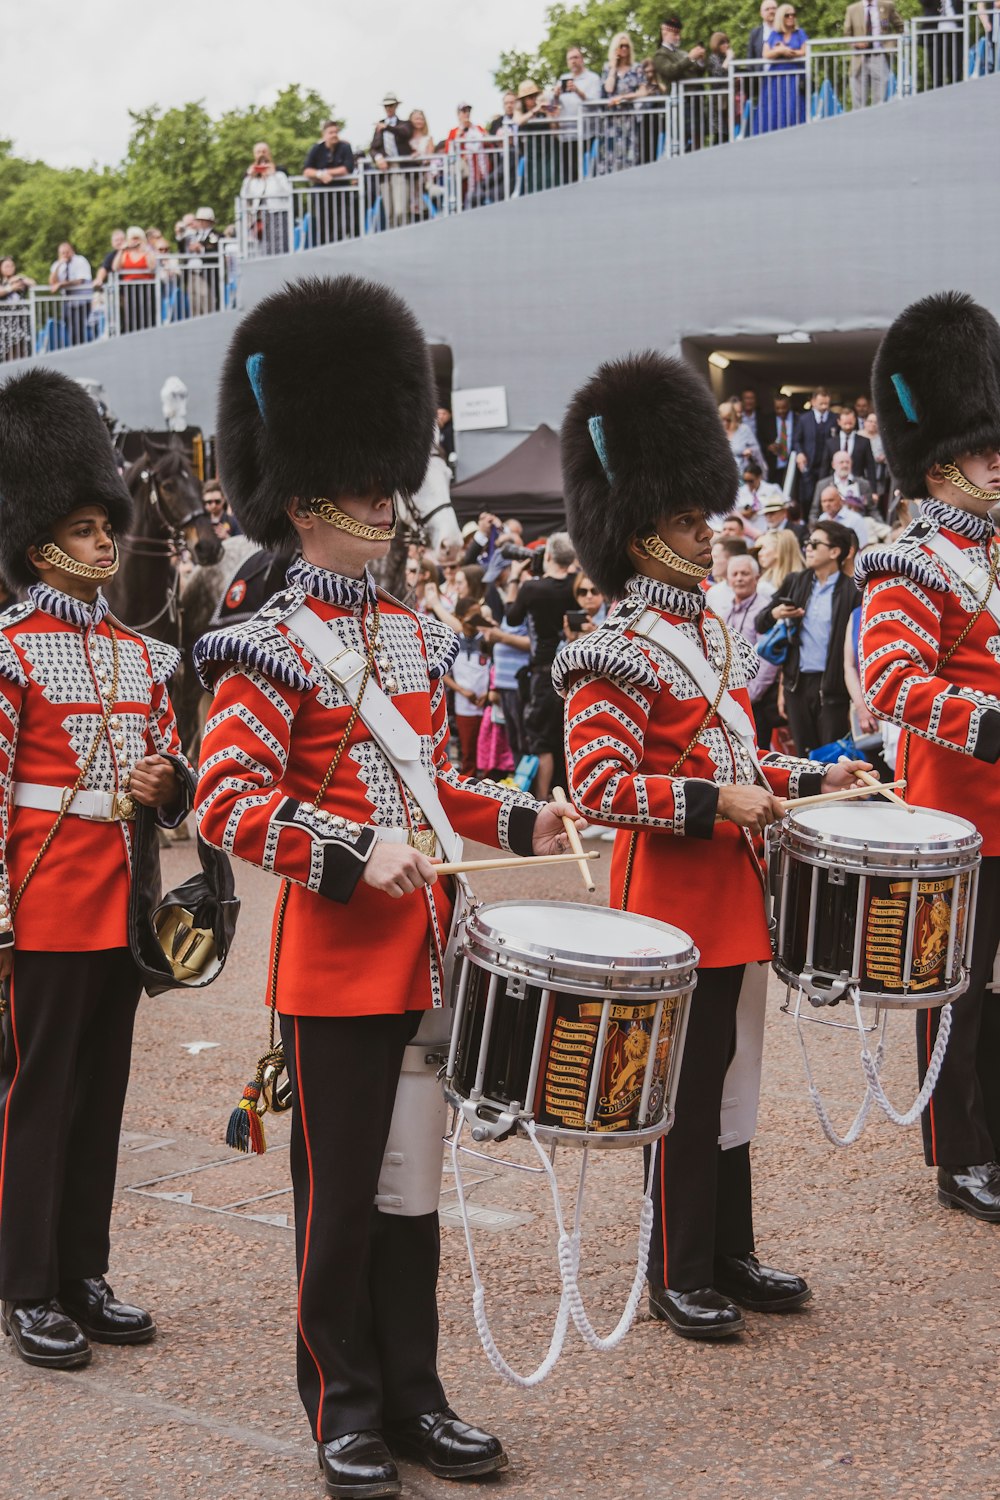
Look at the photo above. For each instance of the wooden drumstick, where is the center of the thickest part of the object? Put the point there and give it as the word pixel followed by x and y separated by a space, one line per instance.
pixel 879 786
pixel 460 866
pixel 842 796
pixel 560 799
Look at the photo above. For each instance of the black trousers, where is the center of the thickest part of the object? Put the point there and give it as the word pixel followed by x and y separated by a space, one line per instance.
pixel 961 1124
pixel 812 722
pixel 702 1194
pixel 67 1048
pixel 367 1306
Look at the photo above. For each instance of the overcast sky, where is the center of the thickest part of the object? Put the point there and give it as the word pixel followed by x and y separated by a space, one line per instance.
pixel 71 73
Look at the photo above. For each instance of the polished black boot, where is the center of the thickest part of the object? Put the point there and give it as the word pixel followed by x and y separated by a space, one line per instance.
pixel 743 1279
pixel 975 1190
pixel 446 1445
pixel 702 1314
pixel 93 1305
pixel 43 1334
pixel 359 1466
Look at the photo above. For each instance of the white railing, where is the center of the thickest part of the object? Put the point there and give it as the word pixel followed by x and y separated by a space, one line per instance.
pixel 836 75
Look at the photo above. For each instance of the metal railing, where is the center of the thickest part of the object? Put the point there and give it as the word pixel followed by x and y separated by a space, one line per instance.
pixel 835 76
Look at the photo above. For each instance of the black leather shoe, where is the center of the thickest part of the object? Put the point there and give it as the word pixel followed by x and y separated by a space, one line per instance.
pixel 358 1465
pixel 743 1279
pixel 44 1335
pixel 93 1305
pixel 446 1445
pixel 975 1190
pixel 703 1314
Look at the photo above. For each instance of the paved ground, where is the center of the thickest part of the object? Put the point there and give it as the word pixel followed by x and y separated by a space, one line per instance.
pixel 884 1386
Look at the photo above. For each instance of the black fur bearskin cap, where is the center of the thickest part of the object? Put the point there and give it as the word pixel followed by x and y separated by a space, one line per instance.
pixel 327 390
pixel 936 386
pixel 55 455
pixel 642 440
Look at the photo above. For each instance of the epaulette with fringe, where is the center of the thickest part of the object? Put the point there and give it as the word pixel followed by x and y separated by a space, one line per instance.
pixel 905 555
pixel 608 652
pixel 442 645
pixel 10 662
pixel 257 644
pixel 163 659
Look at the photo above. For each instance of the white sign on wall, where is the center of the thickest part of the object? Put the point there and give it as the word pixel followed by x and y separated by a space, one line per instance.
pixel 473 410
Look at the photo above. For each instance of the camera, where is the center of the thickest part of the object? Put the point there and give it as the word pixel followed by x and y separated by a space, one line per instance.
pixel 535 555
pixel 576 619
pixel 565 79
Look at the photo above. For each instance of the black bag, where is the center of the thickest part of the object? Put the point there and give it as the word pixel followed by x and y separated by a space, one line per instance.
pixel 181 940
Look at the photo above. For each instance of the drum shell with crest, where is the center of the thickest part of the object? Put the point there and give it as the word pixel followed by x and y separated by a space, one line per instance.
pixel 876 897
pixel 572 1017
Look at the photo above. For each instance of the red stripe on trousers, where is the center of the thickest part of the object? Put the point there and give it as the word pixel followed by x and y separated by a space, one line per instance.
pixel 13 1081
pixel 930 1107
pixel 305 1242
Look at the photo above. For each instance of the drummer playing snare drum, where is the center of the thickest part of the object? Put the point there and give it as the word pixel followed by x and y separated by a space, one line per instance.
pixel 660 745
pixel 930 644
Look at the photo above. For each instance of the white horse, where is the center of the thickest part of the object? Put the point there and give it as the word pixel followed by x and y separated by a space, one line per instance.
pixel 174 400
pixel 430 511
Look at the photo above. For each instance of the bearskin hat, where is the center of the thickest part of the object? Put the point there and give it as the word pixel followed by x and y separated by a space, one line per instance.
pixel 327 390
pixel 936 386
pixel 55 455
pixel 642 440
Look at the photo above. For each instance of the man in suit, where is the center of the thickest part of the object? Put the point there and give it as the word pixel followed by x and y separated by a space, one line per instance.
pixel 847 439
pixel 391 144
pixel 851 489
pixel 759 35
pixel 816 427
pixel 942 44
pixel 778 436
pixel 871 24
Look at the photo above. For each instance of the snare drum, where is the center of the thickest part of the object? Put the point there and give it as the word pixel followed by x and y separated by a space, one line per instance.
pixel 876 896
pixel 572 1017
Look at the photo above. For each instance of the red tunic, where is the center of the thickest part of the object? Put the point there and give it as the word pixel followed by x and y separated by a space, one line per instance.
pixel 55 667
pixel 631 713
pixel 915 608
pixel 275 723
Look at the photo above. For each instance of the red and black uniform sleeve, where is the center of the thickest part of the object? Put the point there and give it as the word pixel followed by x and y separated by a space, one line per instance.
pixel 901 646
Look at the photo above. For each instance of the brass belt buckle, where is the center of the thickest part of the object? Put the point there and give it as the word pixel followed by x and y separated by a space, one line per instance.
pixel 123 807
pixel 424 840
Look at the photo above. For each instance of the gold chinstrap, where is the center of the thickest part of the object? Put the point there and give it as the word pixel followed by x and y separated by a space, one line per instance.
pixel 328 511
pixel 955 476
pixel 657 548
pixel 66 564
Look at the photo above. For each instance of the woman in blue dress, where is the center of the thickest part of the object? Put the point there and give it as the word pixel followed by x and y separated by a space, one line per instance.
pixel 622 83
pixel 783 89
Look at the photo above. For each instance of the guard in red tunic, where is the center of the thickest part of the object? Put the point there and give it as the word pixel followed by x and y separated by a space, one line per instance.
pixel 86 731
pixel 327 411
pixel 930 663
pixel 660 745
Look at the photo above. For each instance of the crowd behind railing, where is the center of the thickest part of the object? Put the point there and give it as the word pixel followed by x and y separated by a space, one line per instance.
pixel 634 112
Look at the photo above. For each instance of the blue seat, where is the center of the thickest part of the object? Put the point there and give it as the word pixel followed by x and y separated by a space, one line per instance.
pixel 373 218
pixel 825 104
pixel 891 86
pixel 53 336
pixel 302 237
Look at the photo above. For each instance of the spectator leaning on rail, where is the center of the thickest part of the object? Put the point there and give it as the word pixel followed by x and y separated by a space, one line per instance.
pixel 202 240
pixel 266 203
pixel 817 603
pixel 543 602
pixel 466 141
pixel 104 269
pixel 671 63
pixel 328 164
pixel 391 144
pixel 869 23
pixel 759 35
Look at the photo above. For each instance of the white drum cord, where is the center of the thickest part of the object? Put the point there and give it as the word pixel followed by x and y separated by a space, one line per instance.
pixel 571 1300
pixel 871 1066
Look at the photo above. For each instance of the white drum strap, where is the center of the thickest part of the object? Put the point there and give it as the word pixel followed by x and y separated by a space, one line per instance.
pixel 976 578
pixel 398 741
pixel 871 1066
pixel 571 1300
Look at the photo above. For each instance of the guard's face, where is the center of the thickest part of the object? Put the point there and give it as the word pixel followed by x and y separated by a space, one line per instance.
pixel 690 536
pixel 87 536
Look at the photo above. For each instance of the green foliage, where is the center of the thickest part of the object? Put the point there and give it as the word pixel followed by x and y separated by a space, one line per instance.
pixel 176 160
pixel 592 25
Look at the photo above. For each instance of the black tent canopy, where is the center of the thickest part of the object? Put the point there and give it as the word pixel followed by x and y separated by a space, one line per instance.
pixel 526 483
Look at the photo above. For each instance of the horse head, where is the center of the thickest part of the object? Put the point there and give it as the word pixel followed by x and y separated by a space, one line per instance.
pixel 429 512
pixel 174 494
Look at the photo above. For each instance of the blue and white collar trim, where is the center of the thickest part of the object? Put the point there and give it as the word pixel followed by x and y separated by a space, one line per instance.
pixel 331 588
pixel 976 528
pixel 64 607
pixel 688 603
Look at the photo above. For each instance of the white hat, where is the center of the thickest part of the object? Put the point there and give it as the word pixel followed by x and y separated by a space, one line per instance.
pixel 205 213
pixel 773 504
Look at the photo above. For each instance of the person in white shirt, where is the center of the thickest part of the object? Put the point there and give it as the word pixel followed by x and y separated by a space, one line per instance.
pixel 833 507
pixel 70 275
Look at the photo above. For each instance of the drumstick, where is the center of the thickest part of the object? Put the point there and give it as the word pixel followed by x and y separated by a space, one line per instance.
pixel 559 798
pixel 842 796
pixel 878 786
pixel 460 866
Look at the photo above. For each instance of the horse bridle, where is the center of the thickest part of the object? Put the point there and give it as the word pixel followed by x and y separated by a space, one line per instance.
pixel 170 545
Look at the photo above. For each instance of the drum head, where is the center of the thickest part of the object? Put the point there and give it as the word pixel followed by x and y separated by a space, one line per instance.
pixel 880 825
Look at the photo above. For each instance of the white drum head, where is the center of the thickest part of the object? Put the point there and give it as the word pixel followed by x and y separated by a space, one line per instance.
pixel 880 824
pixel 592 931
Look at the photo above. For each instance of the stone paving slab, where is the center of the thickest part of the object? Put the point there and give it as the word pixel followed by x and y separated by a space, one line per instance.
pixel 884 1386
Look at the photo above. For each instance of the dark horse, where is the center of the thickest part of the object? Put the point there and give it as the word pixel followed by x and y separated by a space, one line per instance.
pixel 168 519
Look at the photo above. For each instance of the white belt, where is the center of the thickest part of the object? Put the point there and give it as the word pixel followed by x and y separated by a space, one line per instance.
pixel 100 807
pixel 423 839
